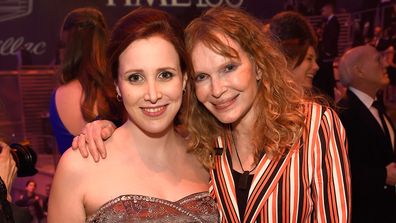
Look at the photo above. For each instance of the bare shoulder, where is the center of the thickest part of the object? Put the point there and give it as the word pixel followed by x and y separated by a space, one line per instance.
pixel 74 164
pixel 68 104
pixel 72 173
pixel 72 86
pixel 68 97
pixel 66 201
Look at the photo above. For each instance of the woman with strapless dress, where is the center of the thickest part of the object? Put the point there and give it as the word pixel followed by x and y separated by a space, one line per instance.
pixel 148 175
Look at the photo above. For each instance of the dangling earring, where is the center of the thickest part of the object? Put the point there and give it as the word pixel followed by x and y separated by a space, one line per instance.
pixel 119 98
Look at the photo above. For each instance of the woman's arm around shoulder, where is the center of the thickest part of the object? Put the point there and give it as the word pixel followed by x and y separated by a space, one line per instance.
pixel 68 187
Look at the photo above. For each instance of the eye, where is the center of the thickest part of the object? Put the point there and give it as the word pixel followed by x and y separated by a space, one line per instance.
pixel 165 75
pixel 200 77
pixel 135 78
pixel 229 68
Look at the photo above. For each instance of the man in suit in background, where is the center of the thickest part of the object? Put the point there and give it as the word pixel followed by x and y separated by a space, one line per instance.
pixel 328 51
pixel 371 136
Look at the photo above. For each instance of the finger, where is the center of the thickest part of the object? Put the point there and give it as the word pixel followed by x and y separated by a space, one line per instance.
pixel 107 132
pixel 6 153
pixel 13 171
pixel 94 153
pixel 75 143
pixel 11 180
pixel 4 147
pixel 82 150
pixel 99 145
pixel 10 174
pixel 90 135
pixel 81 146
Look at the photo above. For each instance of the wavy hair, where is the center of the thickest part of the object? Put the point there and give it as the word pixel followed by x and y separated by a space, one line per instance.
pixel 278 102
pixel 84 59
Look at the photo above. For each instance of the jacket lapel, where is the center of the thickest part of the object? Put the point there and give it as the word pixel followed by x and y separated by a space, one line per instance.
pixel 224 187
pixel 365 114
pixel 372 124
pixel 264 182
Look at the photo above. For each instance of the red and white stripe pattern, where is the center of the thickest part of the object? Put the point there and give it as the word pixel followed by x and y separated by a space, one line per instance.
pixel 311 183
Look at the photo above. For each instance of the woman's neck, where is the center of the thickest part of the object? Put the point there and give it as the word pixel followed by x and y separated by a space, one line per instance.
pixel 243 134
pixel 162 146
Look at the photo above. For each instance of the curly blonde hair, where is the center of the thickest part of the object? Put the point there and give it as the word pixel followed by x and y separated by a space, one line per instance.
pixel 279 101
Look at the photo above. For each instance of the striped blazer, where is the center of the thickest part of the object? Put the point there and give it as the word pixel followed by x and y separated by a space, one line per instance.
pixel 311 183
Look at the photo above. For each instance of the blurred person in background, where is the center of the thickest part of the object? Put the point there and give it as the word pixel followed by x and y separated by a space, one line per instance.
pixel 371 135
pixel 32 201
pixel 85 93
pixel 298 42
pixel 328 51
pixel 9 213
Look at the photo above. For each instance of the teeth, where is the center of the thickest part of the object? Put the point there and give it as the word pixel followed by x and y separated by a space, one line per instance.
pixel 153 109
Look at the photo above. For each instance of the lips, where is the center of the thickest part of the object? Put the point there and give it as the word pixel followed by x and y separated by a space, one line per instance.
pixel 154 111
pixel 224 104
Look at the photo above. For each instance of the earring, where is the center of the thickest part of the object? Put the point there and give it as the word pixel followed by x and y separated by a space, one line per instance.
pixel 119 98
pixel 184 91
pixel 259 75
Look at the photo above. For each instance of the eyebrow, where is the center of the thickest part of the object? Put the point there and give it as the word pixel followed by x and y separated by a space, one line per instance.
pixel 167 68
pixel 222 65
pixel 142 71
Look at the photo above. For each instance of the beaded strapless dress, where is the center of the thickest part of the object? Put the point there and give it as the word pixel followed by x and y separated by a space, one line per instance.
pixel 198 207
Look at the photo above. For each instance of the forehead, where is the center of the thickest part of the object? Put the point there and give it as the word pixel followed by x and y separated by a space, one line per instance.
pixel 207 54
pixel 219 44
pixel 371 53
pixel 311 50
pixel 146 50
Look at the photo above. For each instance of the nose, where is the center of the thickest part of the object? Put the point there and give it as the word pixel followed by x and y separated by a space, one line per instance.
pixel 153 93
pixel 217 87
pixel 315 66
pixel 384 61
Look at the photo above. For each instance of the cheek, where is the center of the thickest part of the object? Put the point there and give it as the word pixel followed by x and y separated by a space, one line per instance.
pixel 129 99
pixel 306 66
pixel 201 91
pixel 130 94
pixel 175 92
pixel 298 73
pixel 245 80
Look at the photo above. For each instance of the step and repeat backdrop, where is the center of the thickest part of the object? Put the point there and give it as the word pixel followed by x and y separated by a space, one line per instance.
pixel 29 29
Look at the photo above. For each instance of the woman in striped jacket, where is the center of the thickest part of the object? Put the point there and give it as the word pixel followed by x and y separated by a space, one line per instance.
pixel 278 157
pixel 273 155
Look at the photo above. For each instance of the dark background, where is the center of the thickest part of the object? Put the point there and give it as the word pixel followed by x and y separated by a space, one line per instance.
pixel 39 29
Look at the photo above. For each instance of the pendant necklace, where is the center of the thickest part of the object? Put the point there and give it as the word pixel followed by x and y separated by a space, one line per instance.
pixel 243 179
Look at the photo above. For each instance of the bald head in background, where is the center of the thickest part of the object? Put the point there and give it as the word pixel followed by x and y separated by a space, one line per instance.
pixel 371 135
pixel 364 68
